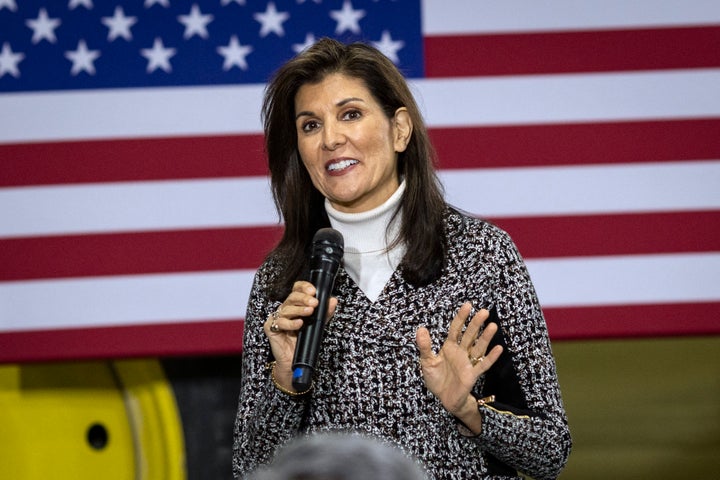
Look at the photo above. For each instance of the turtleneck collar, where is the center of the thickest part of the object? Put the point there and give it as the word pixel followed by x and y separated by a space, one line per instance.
pixel 366 231
pixel 367 236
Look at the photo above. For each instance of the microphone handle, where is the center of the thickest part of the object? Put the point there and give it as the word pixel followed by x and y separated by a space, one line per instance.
pixel 311 333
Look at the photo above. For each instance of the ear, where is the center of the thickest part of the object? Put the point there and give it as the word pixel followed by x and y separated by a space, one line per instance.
pixel 402 129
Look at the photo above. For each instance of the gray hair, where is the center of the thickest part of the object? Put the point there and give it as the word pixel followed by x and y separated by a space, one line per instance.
pixel 340 456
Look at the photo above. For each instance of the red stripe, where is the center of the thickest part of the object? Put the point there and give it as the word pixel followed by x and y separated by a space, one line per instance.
pixel 225 337
pixel 244 248
pixel 575 144
pixel 574 51
pixel 466 147
pixel 157 340
pixel 624 321
pixel 625 234
pixel 131 159
pixel 135 253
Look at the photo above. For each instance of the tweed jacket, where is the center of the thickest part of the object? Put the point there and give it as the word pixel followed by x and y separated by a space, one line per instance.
pixel 368 378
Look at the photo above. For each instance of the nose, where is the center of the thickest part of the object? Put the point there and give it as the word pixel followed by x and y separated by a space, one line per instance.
pixel 332 136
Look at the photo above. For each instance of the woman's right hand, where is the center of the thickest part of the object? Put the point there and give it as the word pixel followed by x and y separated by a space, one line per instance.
pixel 283 325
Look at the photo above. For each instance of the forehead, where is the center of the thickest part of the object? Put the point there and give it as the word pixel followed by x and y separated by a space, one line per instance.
pixel 332 89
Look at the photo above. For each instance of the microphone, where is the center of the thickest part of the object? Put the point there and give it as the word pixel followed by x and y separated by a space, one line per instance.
pixel 327 252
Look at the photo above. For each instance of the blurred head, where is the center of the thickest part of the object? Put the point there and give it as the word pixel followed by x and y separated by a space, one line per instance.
pixel 340 457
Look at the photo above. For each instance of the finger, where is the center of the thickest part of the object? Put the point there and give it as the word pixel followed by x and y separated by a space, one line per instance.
pixel 304 286
pixel 470 336
pixel 424 343
pixel 490 358
pixel 479 348
pixel 332 304
pixel 456 326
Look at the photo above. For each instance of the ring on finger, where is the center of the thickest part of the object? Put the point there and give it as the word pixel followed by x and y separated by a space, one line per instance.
pixel 273 325
pixel 475 360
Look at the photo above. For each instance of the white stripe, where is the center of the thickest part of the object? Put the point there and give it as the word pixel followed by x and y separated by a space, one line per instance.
pixel 478 16
pixel 123 300
pixel 533 99
pixel 621 280
pixel 624 188
pixel 446 102
pixel 145 206
pixel 139 112
pixel 136 206
pixel 130 300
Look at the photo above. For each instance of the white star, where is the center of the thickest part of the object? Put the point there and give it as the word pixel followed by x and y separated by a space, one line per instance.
pixel 389 47
pixel 9 61
pixel 10 4
pixel 228 2
pixel 235 54
pixel 119 25
pixel 162 3
pixel 43 27
pixel 309 41
pixel 82 59
pixel 73 4
pixel 195 23
pixel 347 18
pixel 271 21
pixel 158 56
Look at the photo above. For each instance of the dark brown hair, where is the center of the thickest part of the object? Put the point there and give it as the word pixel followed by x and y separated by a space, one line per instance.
pixel 301 205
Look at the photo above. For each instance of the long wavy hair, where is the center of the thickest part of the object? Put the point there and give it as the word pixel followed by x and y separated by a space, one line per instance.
pixel 301 205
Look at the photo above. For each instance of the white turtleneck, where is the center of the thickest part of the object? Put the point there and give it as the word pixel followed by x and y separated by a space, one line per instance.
pixel 367 237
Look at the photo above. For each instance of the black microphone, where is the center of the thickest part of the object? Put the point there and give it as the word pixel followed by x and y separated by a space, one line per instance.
pixel 327 252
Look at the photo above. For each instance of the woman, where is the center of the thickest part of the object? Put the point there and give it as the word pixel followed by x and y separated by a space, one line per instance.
pixel 406 355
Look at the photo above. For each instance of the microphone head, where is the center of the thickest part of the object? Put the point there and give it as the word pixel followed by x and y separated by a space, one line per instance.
pixel 327 247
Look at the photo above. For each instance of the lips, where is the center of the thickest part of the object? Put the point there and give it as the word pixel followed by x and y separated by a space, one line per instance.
pixel 336 166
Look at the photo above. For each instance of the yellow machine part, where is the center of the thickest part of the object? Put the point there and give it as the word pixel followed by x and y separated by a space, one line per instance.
pixel 89 420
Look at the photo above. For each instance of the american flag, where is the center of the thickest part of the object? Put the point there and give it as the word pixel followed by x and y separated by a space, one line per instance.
pixel 134 198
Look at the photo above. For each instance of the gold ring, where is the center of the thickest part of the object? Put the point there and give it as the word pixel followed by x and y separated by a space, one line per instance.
pixel 274 326
pixel 475 360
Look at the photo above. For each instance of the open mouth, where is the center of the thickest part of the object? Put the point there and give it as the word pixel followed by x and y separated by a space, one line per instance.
pixel 341 165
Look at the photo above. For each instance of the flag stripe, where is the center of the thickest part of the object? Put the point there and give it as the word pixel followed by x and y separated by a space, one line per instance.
pixel 244 248
pixel 222 295
pixel 135 253
pixel 125 299
pixel 122 160
pixel 513 192
pixel 471 16
pixel 588 189
pixel 577 144
pixel 577 51
pixel 628 279
pixel 622 321
pixel 570 98
pixel 233 110
pixel 627 234
pixel 211 337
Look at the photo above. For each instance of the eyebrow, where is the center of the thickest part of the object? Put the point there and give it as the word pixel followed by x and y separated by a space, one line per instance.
pixel 307 113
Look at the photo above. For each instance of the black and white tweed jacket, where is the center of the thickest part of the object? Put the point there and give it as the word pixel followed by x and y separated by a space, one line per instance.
pixel 368 378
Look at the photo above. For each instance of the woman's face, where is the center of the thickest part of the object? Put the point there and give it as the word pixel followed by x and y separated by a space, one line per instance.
pixel 347 144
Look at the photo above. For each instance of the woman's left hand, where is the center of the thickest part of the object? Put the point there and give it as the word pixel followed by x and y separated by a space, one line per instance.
pixel 451 373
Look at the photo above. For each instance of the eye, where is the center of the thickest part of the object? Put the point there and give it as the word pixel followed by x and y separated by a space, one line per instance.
pixel 352 115
pixel 309 126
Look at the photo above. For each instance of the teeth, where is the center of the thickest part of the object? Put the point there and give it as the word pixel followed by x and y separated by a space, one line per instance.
pixel 342 164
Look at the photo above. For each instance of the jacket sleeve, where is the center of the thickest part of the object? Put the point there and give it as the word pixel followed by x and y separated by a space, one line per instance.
pixel 266 417
pixel 525 427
